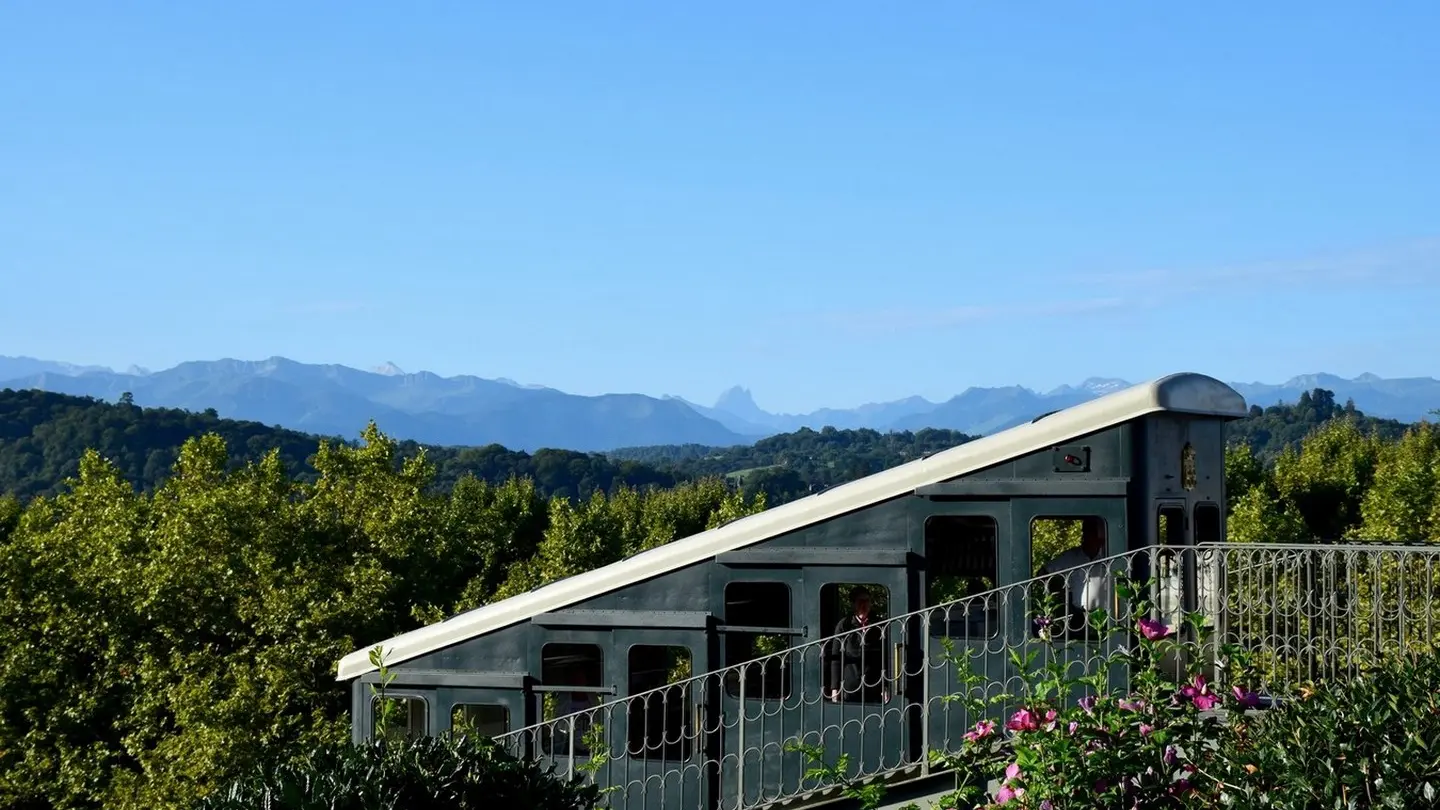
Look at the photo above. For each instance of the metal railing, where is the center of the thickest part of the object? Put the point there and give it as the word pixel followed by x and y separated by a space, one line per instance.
pixel 878 694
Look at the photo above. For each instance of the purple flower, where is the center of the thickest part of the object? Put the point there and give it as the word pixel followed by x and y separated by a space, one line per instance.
pixel 1198 691
pixel 1132 705
pixel 1088 704
pixel 1047 805
pixel 1074 726
pixel 1154 630
pixel 1170 755
pixel 1246 699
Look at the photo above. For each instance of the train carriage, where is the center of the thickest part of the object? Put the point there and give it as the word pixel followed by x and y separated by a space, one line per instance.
pixel 694 667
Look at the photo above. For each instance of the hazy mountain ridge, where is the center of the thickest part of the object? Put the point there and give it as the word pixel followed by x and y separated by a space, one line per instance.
pixel 470 410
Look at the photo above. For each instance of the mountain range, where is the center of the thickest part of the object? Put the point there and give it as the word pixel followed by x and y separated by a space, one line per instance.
pixel 467 410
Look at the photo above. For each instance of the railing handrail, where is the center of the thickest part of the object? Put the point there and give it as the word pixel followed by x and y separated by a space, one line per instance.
pixel 759 662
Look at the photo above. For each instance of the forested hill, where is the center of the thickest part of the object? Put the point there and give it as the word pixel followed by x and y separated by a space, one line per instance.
pixel 792 464
pixel 43 435
pixel 1270 430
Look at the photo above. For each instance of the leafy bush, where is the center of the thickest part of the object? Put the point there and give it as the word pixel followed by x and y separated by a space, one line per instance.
pixel 1371 742
pixel 448 772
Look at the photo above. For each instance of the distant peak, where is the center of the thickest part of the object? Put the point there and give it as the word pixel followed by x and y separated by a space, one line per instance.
pixel 1104 385
pixel 389 369
pixel 1367 377
pixel 736 396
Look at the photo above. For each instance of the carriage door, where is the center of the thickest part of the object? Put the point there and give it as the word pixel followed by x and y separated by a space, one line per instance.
pixel 860 686
pixel 756 694
pixel 1054 526
pixel 658 720
pixel 967 557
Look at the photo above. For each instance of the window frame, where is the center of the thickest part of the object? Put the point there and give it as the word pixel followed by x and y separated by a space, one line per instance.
pixel 1076 629
pixel 686 740
pixel 401 694
pixel 991 616
pixel 788 631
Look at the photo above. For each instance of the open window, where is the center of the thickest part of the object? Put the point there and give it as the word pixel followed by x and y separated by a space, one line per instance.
pixel 1170 559
pixel 480 719
pixel 960 562
pixel 1072 580
pixel 1208 529
pixel 581 666
pixel 754 612
pixel 399 716
pixel 658 713
pixel 857 663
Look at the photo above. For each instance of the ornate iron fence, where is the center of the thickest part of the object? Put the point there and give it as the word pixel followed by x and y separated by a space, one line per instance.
pixel 880 695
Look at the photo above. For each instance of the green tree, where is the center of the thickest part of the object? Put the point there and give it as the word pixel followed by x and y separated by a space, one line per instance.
pixel 1402 503
pixel 1326 480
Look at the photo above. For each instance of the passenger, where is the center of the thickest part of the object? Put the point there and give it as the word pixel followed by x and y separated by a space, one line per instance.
pixel 1082 588
pixel 857 660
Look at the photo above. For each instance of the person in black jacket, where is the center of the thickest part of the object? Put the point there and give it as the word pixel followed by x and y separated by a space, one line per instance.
pixel 858 670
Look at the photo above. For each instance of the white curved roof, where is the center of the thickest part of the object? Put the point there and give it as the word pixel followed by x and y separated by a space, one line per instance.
pixel 1182 393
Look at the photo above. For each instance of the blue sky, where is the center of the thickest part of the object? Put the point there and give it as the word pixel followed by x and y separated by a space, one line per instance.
pixel 830 203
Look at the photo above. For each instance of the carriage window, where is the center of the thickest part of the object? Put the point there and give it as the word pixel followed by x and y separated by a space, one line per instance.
pixel 857 665
pixel 481 719
pixel 1065 548
pixel 399 716
pixel 758 605
pixel 959 556
pixel 563 664
pixel 659 717
pixel 960 561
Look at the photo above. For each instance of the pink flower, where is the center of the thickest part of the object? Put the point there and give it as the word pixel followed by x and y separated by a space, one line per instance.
pixel 1154 630
pixel 1050 720
pixel 1012 771
pixel 1146 729
pixel 1004 795
pixel 1132 705
pixel 982 729
pixel 1047 805
pixel 1074 726
pixel 1023 720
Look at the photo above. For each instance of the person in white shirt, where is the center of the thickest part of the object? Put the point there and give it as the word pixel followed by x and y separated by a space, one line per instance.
pixel 1081 586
